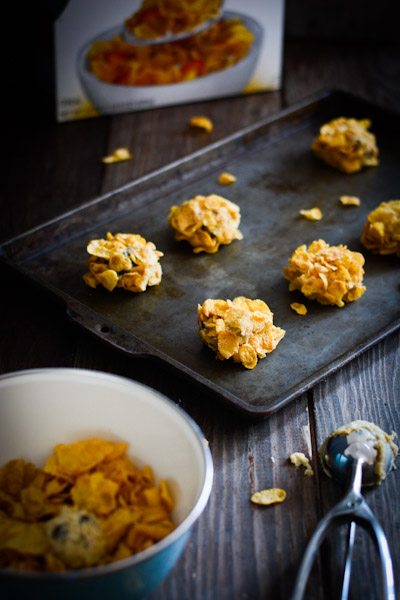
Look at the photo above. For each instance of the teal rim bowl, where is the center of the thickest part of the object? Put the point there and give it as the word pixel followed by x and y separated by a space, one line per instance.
pixel 40 408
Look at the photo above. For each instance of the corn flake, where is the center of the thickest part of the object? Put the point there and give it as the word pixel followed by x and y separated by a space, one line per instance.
pixel 206 222
pixel 301 309
pixel 312 214
pixel 299 459
pixel 240 329
pixel 89 505
pixel 267 497
pixel 329 274
pixel 226 179
pixel 119 155
pixel 350 200
pixel 202 123
pixel 125 260
pixel 381 232
pixel 346 144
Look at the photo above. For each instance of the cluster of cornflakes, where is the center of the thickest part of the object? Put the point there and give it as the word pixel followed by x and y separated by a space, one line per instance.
pixel 328 274
pixel 89 505
pixel 381 232
pixel 222 46
pixel 125 260
pixel 157 18
pixel 346 144
pixel 240 329
pixel 206 222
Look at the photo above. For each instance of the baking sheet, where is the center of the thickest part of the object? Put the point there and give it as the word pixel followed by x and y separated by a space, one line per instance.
pixel 277 175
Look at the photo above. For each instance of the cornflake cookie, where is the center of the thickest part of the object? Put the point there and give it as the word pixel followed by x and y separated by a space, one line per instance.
pixel 240 329
pixel 125 260
pixel 329 274
pixel 346 145
pixel 206 222
pixel 382 229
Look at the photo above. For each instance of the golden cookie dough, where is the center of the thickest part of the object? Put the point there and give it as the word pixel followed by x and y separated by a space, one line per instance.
pixel 346 144
pixel 125 260
pixel 206 222
pixel 329 274
pixel 76 537
pixel 382 229
pixel 240 329
pixel 383 443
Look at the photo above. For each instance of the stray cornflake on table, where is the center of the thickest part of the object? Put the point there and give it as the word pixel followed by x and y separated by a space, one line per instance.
pixel 119 155
pixel 299 459
pixel 226 179
pixel 267 497
pixel 350 200
pixel 301 309
pixel 202 122
pixel 312 214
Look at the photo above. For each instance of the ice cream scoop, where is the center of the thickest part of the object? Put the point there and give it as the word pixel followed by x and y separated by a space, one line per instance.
pixel 362 453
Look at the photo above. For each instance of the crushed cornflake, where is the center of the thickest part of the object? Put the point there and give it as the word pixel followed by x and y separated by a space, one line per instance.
pixel 346 144
pixel 299 459
pixel 266 497
pixel 226 179
pixel 125 260
pixel 119 155
pixel 202 123
pixel 88 505
pixel 240 329
pixel 381 232
pixel 301 309
pixel 312 214
pixel 329 274
pixel 350 200
pixel 206 222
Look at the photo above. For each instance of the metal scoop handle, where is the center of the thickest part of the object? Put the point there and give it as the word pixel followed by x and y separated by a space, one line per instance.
pixel 353 507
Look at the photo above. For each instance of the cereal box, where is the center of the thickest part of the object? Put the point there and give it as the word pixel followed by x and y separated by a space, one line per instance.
pixel 131 55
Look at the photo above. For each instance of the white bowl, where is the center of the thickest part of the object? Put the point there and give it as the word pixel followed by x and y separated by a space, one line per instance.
pixel 109 98
pixel 43 407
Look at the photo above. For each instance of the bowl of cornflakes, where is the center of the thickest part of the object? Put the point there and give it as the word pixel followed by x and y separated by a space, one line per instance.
pixel 119 77
pixel 101 482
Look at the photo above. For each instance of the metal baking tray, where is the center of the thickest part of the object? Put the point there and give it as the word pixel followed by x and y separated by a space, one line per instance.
pixel 277 175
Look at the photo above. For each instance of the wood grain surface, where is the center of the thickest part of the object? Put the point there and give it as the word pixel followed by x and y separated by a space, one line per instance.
pixel 237 550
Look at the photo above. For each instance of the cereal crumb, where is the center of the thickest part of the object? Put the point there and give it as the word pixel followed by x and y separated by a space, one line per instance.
pixel 301 309
pixel 298 459
pixel 350 200
pixel 118 155
pixel 226 179
pixel 313 214
pixel 266 497
pixel 202 123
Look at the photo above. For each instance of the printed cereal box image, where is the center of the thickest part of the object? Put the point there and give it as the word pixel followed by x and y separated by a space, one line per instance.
pixel 134 55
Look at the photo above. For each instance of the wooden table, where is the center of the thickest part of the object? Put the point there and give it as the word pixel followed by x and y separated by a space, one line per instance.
pixel 236 550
